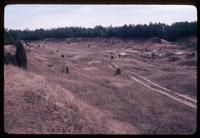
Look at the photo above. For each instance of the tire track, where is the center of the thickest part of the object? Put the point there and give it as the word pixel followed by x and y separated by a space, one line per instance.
pixel 184 99
pixel 163 88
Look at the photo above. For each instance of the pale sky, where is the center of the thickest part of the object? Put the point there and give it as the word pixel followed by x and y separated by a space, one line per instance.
pixel 53 16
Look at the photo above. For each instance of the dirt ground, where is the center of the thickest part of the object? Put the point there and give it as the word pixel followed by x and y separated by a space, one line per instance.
pixel 156 92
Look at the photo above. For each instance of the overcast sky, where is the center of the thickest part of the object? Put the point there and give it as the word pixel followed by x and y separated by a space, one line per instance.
pixel 49 16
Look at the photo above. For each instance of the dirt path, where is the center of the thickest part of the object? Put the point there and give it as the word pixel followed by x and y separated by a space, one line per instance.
pixel 162 90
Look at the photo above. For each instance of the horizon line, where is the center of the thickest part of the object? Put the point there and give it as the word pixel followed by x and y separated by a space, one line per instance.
pixel 98 25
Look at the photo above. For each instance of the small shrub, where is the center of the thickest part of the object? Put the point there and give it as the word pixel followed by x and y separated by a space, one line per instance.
pixel 20 55
pixel 66 69
pixel 152 55
pixel 9 59
pixel 118 71
pixel 62 56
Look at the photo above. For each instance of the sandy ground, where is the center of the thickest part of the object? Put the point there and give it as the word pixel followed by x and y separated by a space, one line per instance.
pixel 152 95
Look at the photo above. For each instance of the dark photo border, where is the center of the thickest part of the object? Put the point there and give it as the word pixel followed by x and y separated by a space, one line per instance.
pixel 3 3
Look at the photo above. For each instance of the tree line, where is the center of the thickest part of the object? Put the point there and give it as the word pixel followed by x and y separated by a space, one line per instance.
pixel 169 32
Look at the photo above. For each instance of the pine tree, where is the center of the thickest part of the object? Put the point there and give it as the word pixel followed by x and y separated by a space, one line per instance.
pixel 20 55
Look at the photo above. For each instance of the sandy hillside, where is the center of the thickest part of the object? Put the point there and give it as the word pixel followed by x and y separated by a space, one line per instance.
pixel 154 94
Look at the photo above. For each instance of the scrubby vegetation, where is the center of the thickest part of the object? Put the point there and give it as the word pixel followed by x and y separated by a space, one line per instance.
pixel 118 71
pixel 21 55
pixel 9 59
pixel 19 58
pixel 10 37
pixel 169 32
pixel 88 92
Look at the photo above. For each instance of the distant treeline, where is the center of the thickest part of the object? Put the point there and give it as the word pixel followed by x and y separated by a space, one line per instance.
pixel 169 32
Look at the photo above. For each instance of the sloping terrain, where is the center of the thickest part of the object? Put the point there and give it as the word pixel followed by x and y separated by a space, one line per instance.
pixel 36 105
pixel 154 94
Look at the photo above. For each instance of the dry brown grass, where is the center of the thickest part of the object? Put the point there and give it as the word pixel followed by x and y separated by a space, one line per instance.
pixel 36 88
pixel 91 99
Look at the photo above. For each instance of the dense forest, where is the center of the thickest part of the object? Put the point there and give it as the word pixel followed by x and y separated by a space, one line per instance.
pixel 169 32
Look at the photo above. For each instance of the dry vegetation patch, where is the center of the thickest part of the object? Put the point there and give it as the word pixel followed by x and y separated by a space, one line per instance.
pixel 85 91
